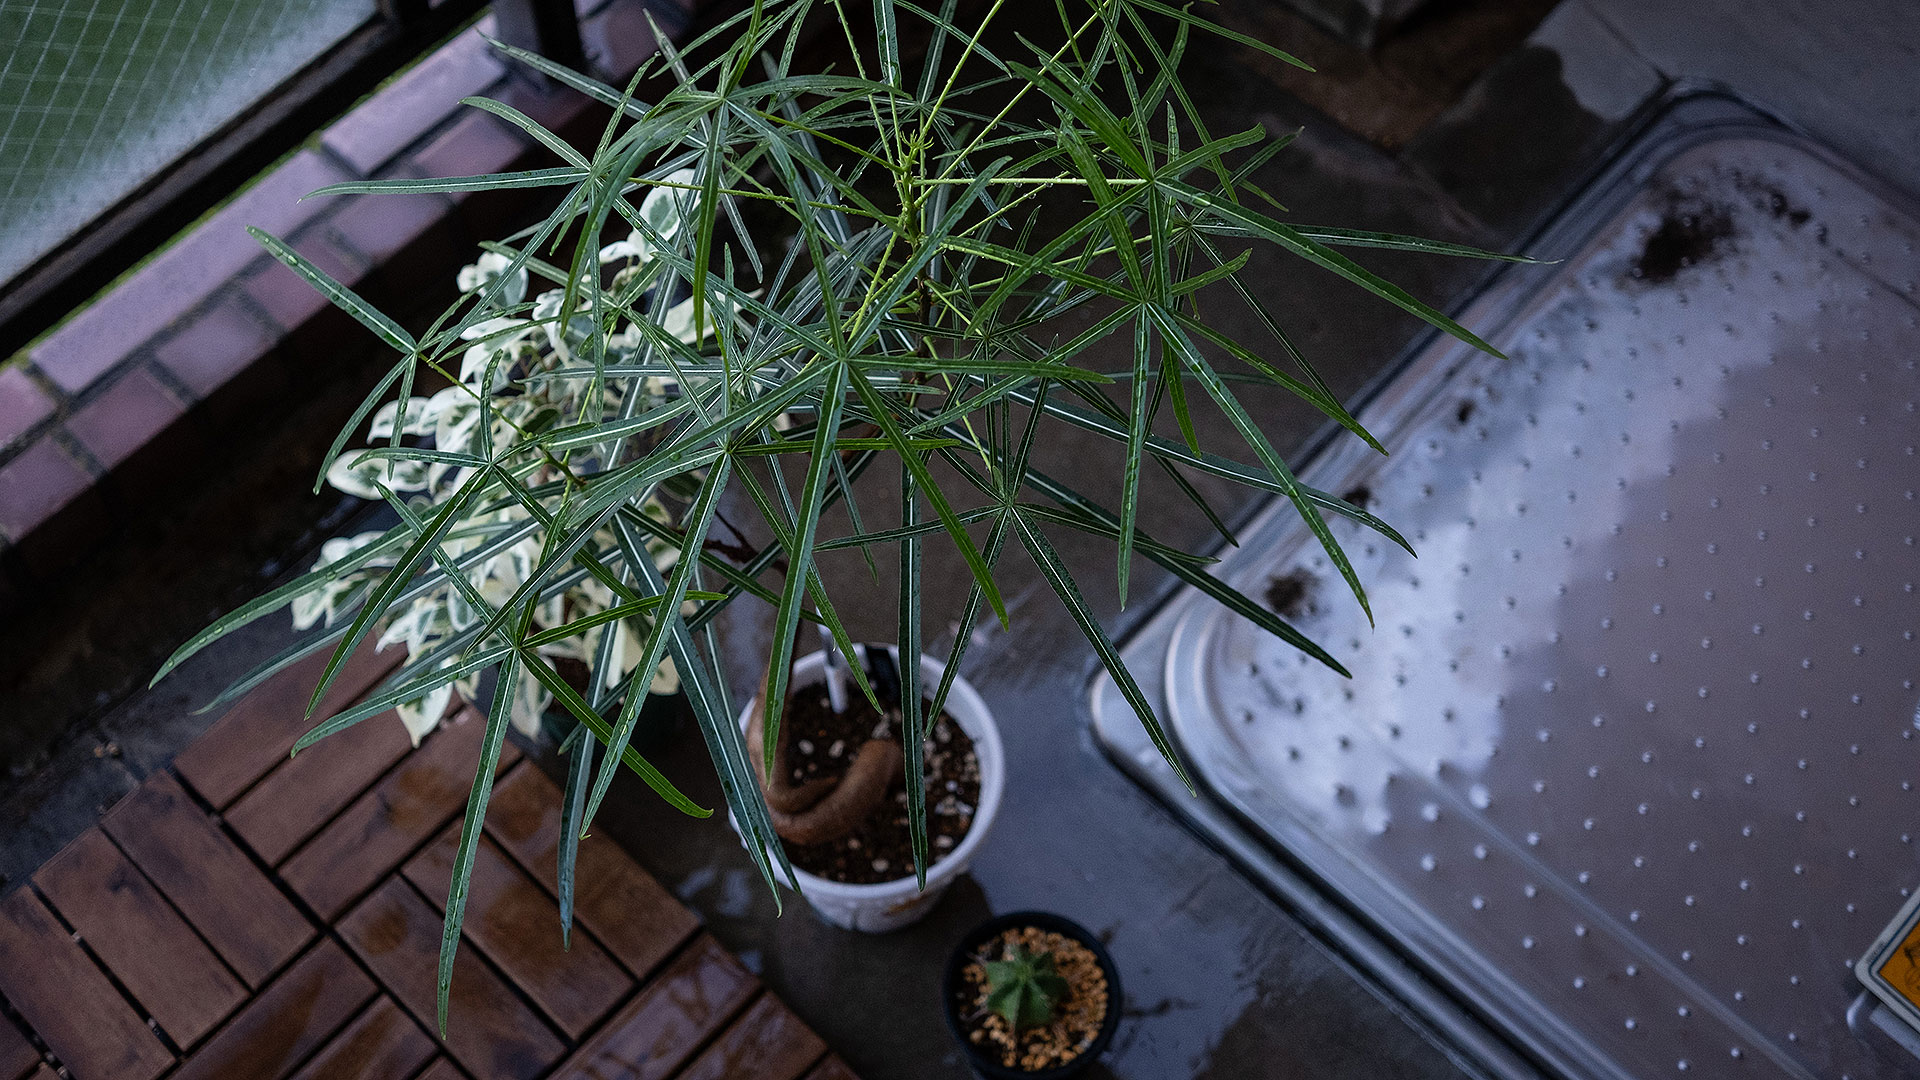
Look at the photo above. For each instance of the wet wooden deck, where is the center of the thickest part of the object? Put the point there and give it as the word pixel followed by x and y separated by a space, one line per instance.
pixel 249 915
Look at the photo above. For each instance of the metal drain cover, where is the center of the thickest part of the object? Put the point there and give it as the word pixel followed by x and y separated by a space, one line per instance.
pixel 1630 760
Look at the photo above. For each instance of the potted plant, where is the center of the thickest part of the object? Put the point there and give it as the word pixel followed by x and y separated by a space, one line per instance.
pixel 1031 996
pixel 837 789
pixel 767 293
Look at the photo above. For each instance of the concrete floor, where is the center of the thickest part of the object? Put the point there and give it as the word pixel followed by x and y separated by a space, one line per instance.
pixel 1220 981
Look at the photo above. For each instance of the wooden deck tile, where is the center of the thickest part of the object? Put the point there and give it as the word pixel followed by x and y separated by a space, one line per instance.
pixel 517 925
pixel 180 911
pixel 637 919
pixel 489 1030
pixel 256 733
pixel 249 922
pixel 384 826
pixel 296 1013
pixel 442 1069
pixel 303 792
pixel 832 1068
pixel 57 988
pixel 767 1042
pixel 17 1055
pixel 142 940
pixel 669 1019
pixel 382 1043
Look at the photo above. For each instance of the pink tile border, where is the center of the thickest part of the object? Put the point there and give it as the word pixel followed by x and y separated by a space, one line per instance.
pixel 38 484
pixel 23 405
pixel 159 294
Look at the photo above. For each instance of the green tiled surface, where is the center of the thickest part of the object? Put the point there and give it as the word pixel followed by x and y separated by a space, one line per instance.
pixel 97 95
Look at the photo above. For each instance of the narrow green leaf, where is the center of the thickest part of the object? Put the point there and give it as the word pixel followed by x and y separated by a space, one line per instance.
pixel 390 586
pixel 877 406
pixel 399 693
pixel 1187 569
pixel 914 722
pixel 1221 31
pixel 786 617
pixel 1325 257
pixel 1215 465
pixel 342 297
pixel 532 127
pixel 700 517
pixel 501 181
pixel 1400 242
pixel 463 854
pixel 593 88
pixel 905 532
pixel 276 599
pixel 1136 441
pixel 569 699
pixel 726 745
pixel 1269 457
pixel 1057 576
pixel 574 804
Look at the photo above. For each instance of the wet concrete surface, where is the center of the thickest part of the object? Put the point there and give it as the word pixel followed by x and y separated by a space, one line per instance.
pixel 1220 981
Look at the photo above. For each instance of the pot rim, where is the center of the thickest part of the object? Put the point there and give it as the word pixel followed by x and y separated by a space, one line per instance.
pixel 1043 920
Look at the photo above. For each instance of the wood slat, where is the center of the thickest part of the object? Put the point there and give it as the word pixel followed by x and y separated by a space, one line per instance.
pixel 832 1068
pixel 247 920
pixel 297 1012
pixel 382 1043
pixel 517 925
pixel 767 1042
pixel 385 825
pixel 489 1030
pixel 141 939
pixel 258 731
pixel 303 792
pixel 668 1020
pixel 68 1001
pixel 442 1069
pixel 17 1055
pixel 637 919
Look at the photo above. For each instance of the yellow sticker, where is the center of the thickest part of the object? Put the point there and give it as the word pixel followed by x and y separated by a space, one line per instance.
pixel 1901 971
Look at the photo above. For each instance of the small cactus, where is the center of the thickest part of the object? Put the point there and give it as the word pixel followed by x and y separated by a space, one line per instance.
pixel 1024 988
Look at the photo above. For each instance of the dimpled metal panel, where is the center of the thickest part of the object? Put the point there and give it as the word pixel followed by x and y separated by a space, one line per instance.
pixel 1630 757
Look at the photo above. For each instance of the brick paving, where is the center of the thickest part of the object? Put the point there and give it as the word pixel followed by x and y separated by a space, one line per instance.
pixel 250 915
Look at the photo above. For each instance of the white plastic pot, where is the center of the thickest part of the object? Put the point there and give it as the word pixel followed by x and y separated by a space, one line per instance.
pixel 891 905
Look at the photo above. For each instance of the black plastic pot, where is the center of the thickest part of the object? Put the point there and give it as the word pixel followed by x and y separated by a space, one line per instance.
pixel 661 719
pixel 952 982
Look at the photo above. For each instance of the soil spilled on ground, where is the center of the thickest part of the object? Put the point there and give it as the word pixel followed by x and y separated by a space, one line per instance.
pixel 1288 595
pixel 1769 199
pixel 1690 233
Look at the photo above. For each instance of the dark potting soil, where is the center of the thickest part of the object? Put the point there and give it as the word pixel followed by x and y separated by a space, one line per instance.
pixel 824 744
